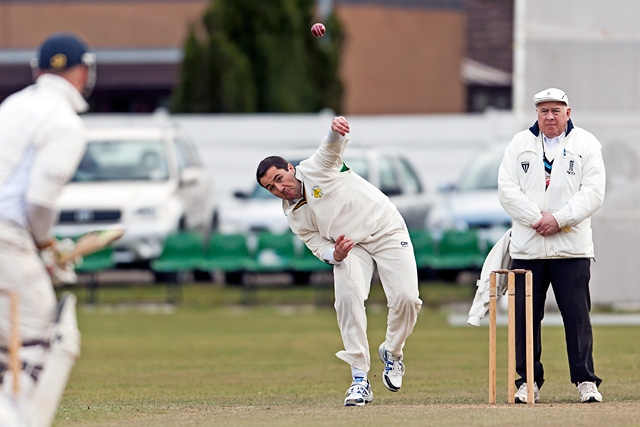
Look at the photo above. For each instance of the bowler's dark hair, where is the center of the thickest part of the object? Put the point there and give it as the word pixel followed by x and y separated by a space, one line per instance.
pixel 267 163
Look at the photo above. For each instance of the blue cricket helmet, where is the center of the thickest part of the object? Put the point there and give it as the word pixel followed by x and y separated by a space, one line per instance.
pixel 62 51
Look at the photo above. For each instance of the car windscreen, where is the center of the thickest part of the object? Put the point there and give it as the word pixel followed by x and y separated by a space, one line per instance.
pixel 123 160
pixel 481 173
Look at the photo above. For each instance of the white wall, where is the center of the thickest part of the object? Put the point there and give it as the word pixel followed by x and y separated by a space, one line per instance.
pixel 588 48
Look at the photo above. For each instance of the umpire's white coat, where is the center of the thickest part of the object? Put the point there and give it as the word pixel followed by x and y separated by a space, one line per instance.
pixel 337 201
pixel 576 191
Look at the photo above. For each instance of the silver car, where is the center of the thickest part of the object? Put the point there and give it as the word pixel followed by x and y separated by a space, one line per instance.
pixel 145 178
pixel 472 202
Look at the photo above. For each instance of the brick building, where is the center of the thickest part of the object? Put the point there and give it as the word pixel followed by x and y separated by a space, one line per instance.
pixel 400 57
pixel 488 64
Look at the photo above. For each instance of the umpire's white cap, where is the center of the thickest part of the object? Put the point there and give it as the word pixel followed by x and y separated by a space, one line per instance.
pixel 551 94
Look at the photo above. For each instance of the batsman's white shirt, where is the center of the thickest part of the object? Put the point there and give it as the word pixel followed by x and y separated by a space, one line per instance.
pixel 337 201
pixel 42 140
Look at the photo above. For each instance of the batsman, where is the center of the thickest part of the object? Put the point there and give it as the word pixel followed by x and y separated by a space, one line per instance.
pixel 42 139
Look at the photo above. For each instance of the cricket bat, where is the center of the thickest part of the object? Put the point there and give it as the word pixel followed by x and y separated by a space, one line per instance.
pixel 91 242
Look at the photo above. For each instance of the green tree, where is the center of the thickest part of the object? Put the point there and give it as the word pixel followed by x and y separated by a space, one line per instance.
pixel 259 56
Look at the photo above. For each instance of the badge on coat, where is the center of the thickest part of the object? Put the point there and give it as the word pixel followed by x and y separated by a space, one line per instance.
pixel 317 192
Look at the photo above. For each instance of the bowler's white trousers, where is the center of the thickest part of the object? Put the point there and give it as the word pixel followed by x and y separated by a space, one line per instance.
pixel 391 251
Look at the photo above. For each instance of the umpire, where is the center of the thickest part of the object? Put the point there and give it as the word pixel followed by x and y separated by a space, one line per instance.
pixel 551 181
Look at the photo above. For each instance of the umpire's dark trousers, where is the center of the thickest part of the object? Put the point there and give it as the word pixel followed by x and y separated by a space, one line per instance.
pixel 569 278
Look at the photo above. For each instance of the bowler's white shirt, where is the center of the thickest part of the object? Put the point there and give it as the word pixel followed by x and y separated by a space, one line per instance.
pixel 335 201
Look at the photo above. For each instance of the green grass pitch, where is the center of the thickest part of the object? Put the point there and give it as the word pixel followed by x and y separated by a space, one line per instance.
pixel 209 362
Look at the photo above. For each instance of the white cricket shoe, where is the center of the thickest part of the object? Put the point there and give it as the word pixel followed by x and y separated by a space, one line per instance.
pixel 359 393
pixel 523 393
pixel 589 392
pixel 393 369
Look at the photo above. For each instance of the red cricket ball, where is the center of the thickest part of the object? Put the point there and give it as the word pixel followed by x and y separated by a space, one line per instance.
pixel 318 30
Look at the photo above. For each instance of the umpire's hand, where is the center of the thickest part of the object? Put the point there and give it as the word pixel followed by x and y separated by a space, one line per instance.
pixel 547 225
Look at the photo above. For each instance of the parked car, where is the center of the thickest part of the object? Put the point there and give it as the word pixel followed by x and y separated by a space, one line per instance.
pixel 258 210
pixel 472 201
pixel 144 177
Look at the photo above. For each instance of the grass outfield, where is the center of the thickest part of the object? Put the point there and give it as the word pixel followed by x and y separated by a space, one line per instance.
pixel 209 363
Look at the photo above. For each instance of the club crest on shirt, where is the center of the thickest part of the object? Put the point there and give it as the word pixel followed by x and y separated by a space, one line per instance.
pixel 525 166
pixel 317 192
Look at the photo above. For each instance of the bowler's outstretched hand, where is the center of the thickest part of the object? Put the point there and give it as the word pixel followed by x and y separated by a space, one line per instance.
pixel 340 125
pixel 342 248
